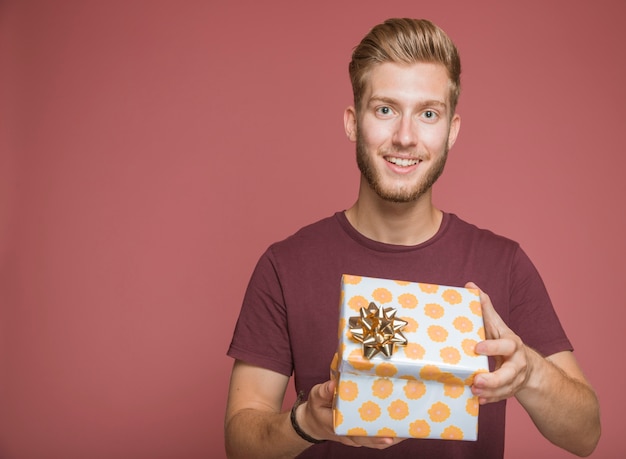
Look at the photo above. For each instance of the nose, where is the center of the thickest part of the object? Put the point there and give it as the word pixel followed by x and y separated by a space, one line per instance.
pixel 405 134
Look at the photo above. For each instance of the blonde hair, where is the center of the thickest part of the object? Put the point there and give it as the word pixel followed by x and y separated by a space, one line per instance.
pixel 405 41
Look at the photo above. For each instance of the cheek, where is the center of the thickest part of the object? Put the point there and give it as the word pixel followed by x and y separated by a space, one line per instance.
pixel 436 138
pixel 375 136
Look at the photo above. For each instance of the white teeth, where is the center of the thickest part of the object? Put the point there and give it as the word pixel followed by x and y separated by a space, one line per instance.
pixel 403 162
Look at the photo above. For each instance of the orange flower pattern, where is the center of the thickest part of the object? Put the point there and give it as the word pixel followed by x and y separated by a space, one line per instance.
pixel 447 377
pixel 428 288
pixel 452 296
pixel 437 333
pixel 430 373
pixel 434 310
pixel 454 387
pixel 453 390
pixel 385 396
pixel 471 406
pixel 408 300
pixel 369 411
pixel 386 369
pixel 382 295
pixel 398 409
pixel 348 390
pixel 470 379
pixel 463 324
pixel 439 412
pixel 411 324
pixel 351 279
pixel 419 429
pixel 414 351
pixel 358 302
pixel 359 362
pixel 476 308
pixel 452 433
pixel 337 418
pixel 469 347
pixel 357 432
pixel 450 355
pixel 382 388
pixel 414 389
pixel 386 432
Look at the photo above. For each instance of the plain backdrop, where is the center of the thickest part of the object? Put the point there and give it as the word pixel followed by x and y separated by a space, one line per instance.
pixel 151 150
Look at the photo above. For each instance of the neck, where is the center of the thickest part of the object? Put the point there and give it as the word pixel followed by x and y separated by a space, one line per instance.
pixel 409 223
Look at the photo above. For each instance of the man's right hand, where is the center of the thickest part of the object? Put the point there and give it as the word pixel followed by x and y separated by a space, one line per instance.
pixel 315 417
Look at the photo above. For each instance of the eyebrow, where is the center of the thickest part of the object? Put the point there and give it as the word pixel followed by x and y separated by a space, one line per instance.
pixel 423 104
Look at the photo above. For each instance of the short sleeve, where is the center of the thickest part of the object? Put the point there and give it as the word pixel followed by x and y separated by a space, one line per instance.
pixel 533 317
pixel 261 334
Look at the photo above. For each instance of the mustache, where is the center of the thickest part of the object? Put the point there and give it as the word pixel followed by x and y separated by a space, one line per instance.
pixel 411 153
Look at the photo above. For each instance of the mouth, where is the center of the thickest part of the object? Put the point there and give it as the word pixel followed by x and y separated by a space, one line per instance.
pixel 402 162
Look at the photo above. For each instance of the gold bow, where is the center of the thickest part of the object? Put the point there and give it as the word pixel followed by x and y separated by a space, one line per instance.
pixel 378 329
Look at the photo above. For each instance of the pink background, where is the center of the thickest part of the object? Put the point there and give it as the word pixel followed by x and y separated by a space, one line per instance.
pixel 151 150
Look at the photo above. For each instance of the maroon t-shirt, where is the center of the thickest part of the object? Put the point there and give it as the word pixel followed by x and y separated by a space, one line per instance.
pixel 289 318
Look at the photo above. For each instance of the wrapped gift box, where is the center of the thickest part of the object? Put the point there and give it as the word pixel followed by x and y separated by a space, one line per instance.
pixel 405 360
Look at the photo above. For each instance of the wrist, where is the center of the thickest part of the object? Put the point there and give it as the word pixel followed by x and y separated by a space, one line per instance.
pixel 535 371
pixel 296 425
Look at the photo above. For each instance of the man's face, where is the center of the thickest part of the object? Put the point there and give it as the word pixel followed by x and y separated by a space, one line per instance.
pixel 403 129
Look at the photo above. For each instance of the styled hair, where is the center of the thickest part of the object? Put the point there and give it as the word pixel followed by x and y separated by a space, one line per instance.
pixel 405 41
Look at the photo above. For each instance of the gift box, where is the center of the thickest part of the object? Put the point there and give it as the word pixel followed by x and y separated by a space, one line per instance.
pixel 405 360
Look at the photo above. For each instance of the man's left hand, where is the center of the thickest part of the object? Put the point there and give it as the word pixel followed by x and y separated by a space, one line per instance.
pixel 513 360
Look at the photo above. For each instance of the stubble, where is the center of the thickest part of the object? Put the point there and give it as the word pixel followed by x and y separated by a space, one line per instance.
pixel 403 194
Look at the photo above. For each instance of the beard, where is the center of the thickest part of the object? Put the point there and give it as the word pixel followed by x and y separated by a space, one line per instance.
pixel 397 194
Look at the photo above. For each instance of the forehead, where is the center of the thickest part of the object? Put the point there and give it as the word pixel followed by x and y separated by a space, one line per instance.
pixel 407 82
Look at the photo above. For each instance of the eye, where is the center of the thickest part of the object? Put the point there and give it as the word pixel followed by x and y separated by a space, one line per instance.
pixel 384 110
pixel 429 114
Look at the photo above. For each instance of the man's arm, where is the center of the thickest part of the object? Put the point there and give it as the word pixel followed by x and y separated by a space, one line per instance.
pixel 255 427
pixel 553 390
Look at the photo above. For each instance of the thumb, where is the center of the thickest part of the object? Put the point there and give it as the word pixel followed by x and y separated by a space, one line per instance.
pixel 324 393
pixel 328 390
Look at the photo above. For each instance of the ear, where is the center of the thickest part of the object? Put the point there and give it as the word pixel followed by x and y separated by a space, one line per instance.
pixel 349 123
pixel 455 126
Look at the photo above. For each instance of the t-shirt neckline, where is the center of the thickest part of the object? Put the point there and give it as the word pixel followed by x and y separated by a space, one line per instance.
pixel 372 244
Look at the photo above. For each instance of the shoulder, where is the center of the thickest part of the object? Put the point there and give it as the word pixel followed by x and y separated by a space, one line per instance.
pixel 311 237
pixel 486 255
pixel 466 232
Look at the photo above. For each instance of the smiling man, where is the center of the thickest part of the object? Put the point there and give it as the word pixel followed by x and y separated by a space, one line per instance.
pixel 406 80
pixel 403 127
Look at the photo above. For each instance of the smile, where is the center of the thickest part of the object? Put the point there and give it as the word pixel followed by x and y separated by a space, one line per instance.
pixel 403 162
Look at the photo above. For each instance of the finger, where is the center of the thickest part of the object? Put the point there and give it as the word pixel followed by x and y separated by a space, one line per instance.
pixel 496 347
pixel 502 377
pixel 495 386
pixel 494 325
pixel 375 442
pixel 322 394
pixel 330 387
